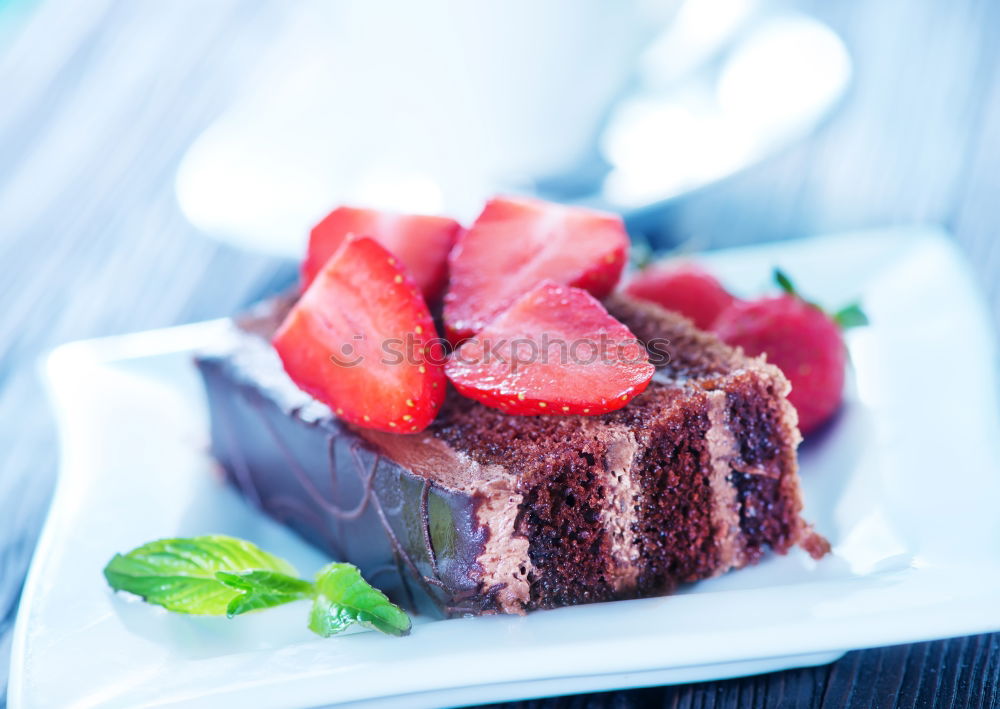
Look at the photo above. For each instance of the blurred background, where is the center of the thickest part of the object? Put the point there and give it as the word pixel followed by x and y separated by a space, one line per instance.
pixel 161 161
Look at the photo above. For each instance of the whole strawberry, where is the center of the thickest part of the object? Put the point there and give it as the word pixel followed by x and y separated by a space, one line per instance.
pixel 802 340
pixel 684 288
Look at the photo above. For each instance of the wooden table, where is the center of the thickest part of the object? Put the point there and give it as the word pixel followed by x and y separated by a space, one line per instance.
pixel 99 99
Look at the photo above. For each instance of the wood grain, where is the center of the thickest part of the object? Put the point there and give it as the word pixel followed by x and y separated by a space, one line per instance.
pixel 101 98
pixel 961 672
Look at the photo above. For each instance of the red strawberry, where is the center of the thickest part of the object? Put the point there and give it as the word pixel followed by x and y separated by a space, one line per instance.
pixel 555 351
pixel 802 340
pixel 685 288
pixel 421 242
pixel 361 340
pixel 516 243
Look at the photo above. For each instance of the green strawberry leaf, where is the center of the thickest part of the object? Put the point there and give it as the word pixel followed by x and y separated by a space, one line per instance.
pixel 640 254
pixel 262 589
pixel 344 597
pixel 180 574
pixel 847 317
pixel 850 316
pixel 784 282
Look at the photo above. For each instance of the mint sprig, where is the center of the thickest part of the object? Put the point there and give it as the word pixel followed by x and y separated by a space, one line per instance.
pixel 219 575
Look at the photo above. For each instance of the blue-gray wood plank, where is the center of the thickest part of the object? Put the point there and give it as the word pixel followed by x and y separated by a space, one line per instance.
pixel 99 99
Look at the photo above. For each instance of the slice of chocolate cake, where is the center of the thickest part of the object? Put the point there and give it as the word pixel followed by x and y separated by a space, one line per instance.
pixel 488 512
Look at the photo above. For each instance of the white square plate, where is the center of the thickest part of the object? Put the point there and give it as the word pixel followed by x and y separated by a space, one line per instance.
pixel 905 485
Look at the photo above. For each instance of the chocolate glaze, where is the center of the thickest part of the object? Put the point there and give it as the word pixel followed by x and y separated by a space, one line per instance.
pixel 345 496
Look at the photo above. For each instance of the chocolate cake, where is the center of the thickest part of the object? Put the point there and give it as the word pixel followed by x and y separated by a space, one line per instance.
pixel 484 512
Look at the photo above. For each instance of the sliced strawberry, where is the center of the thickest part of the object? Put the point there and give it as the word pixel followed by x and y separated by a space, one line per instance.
pixel 555 351
pixel 684 288
pixel 518 242
pixel 421 242
pixel 361 340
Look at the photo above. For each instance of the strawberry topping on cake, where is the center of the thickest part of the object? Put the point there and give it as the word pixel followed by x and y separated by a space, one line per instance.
pixel 362 341
pixel 517 243
pixel 421 242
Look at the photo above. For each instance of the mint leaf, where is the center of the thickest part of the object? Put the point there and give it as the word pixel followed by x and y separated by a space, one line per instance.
pixel 326 619
pixel 344 597
pixel 850 316
pixel 262 589
pixel 180 574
